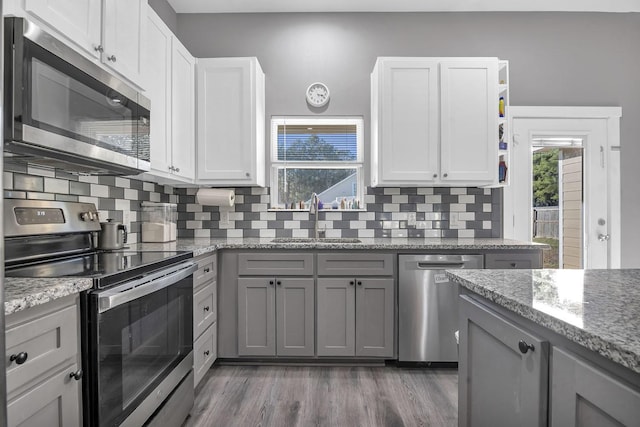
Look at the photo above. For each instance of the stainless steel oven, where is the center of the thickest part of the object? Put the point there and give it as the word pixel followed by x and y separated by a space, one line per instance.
pixel 139 345
pixel 137 319
pixel 62 110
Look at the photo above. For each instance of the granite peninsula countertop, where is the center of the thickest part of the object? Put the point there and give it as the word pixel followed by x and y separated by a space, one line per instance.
pixel 23 293
pixel 598 309
pixel 200 246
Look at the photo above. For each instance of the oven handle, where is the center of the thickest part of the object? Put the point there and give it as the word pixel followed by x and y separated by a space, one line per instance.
pixel 146 285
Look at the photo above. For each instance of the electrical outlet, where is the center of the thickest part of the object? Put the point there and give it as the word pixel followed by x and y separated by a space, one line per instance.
pixel 454 220
pixel 411 219
pixel 224 217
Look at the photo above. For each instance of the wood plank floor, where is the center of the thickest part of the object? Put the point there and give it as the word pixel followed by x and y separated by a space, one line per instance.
pixel 285 396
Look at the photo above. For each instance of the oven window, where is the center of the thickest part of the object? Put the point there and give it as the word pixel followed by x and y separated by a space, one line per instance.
pixel 138 344
pixel 64 100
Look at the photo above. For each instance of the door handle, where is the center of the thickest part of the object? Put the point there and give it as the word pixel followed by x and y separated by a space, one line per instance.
pixel 603 237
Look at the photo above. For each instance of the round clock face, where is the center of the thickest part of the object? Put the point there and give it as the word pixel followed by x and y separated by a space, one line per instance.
pixel 317 94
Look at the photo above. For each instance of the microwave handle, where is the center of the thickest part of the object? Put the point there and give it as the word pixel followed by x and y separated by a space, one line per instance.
pixel 146 285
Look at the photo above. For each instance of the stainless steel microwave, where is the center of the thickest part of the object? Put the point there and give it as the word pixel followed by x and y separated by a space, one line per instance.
pixel 64 111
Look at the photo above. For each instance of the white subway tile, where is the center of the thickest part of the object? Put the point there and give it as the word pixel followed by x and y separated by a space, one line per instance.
pixel 268 216
pixel 424 207
pixel 334 233
pixel 258 190
pixel 98 190
pixel 300 232
pixel 356 225
pixel 90 179
pixel 425 190
pixel 123 182
pixel 399 233
pixel 432 233
pixel 131 194
pixel 390 224
pixel 486 225
pixel 228 226
pixel 154 197
pixel 148 186
pixel 486 207
pixel 193 207
pixel 366 233
pixel 236 216
pixel 466 234
pixel 235 233
pixel 400 198
pixel 301 216
pixel 202 233
pixel 53 185
pixel 41 171
pixel 8 181
pixel 333 216
pixel 370 198
pixel 467 216
pixel 424 225
pixel 433 216
pixel 194 225
pixel 399 216
pixel 258 207
pixel 436 198
pixel 258 224
pixel 202 216
pixel 291 224
pixel 266 232
pixel 391 190
pixel 457 207
pixel 467 199
pixel 123 205
pixel 87 199
pixel 458 191
pixel 367 216
pixel 239 199
pixel 390 207
pixel 487 191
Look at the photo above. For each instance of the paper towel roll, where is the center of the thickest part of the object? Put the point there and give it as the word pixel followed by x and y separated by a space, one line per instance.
pixel 215 197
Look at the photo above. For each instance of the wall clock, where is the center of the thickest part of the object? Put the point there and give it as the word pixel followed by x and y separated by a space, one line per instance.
pixel 317 94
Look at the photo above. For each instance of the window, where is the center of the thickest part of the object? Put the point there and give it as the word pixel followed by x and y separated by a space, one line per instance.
pixel 313 155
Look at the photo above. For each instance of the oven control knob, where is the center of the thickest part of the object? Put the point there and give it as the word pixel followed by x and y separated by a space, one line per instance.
pixel 85 216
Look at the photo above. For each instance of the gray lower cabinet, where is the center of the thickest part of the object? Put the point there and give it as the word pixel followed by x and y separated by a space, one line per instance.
pixel 582 395
pixel 503 371
pixel 355 317
pixel 275 316
pixel 42 352
pixel 513 260
pixel 205 313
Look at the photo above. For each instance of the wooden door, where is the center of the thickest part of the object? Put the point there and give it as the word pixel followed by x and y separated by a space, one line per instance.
pixel 498 383
pixel 78 20
pixel 336 317
pixel 157 77
pixel 374 317
pixel 295 317
pixel 469 120
pixel 256 317
pixel 584 396
pixel 407 112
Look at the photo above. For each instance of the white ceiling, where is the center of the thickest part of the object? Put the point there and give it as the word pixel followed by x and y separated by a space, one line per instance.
pixel 253 6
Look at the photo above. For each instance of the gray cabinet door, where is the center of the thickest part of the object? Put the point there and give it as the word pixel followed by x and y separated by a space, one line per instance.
pixel 256 317
pixel 584 396
pixel 374 317
pixel 53 403
pixel 336 317
pixel 509 260
pixel 295 320
pixel 489 344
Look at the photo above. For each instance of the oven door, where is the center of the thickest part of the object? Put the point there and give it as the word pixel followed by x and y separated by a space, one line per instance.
pixel 139 333
pixel 65 108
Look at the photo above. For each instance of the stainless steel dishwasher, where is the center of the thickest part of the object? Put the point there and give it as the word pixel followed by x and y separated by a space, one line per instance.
pixel 428 306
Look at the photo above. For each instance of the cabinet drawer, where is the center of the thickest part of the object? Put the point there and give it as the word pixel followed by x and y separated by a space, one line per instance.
pixel 53 403
pixel 207 270
pixel 275 264
pixel 205 352
pixel 348 264
pixel 204 308
pixel 48 341
pixel 512 261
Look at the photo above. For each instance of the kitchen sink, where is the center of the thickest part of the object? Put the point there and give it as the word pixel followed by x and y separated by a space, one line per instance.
pixel 314 240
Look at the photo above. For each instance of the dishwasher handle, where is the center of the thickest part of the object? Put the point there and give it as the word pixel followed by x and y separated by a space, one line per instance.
pixel 439 265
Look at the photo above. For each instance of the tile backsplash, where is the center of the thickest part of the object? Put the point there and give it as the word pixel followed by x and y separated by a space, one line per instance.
pixel 386 211
pixel 115 197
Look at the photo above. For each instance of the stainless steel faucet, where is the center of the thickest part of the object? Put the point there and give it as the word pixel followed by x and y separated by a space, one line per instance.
pixel 313 210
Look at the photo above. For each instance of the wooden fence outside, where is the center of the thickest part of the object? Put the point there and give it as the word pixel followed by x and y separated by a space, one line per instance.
pixel 546 222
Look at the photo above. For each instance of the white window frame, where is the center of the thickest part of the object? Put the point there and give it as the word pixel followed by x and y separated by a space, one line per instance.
pixel 275 164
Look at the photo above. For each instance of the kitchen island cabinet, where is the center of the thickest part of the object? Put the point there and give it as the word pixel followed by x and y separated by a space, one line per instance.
pixel 556 347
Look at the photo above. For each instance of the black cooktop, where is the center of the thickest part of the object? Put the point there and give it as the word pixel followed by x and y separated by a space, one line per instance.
pixel 105 267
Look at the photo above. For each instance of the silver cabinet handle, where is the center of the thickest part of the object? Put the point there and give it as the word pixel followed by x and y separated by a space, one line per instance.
pixel 603 237
pixel 445 175
pixel 177 169
pixel 98 48
pixel 112 58
pixel 435 175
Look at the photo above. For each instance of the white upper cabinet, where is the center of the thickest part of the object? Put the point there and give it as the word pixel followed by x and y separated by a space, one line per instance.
pixel 183 111
pixel 231 127
pixel 108 31
pixel 79 20
pixel 168 72
pixel 124 26
pixel 434 121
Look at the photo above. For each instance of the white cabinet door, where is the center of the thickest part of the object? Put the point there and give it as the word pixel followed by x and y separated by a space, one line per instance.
pixel 124 30
pixel 157 77
pixel 230 121
pixel 182 111
pixel 408 126
pixel 78 20
pixel 469 120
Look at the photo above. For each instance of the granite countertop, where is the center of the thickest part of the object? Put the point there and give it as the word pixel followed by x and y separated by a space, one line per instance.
pixel 23 293
pixel 597 309
pixel 200 246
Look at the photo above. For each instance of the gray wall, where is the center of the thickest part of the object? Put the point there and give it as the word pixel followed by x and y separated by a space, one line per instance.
pixel 166 13
pixel 588 59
